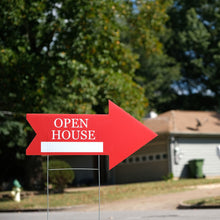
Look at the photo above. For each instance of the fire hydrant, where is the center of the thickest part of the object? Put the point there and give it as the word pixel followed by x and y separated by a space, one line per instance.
pixel 16 191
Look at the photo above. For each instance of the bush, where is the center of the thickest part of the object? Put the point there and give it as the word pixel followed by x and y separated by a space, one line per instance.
pixel 169 176
pixel 59 179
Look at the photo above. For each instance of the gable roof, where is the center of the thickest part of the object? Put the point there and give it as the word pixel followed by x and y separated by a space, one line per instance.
pixel 187 122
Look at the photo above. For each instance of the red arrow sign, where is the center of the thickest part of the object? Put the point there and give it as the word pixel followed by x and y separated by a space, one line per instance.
pixel 116 134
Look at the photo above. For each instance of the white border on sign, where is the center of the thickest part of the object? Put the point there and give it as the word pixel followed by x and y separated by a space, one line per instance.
pixel 71 147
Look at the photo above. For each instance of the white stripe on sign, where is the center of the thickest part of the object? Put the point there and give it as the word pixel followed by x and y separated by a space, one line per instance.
pixel 71 147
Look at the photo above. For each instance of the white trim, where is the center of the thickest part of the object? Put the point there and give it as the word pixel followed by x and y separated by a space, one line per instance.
pixel 71 147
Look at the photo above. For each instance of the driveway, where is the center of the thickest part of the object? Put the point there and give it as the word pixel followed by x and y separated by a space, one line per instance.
pixel 158 202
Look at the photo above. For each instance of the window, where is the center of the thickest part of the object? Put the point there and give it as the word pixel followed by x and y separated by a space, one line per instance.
pixel 158 157
pixel 151 157
pixel 146 158
pixel 137 159
pixel 164 156
pixel 130 160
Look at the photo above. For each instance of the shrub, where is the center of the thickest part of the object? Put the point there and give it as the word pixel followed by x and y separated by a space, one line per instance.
pixel 169 176
pixel 59 179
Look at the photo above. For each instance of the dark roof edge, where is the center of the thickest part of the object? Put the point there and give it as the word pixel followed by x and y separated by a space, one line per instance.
pixel 195 134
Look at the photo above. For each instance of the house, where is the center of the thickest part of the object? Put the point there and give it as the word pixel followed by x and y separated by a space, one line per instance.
pixel 182 136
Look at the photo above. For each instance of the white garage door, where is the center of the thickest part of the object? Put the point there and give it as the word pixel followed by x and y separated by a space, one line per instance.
pixel 195 148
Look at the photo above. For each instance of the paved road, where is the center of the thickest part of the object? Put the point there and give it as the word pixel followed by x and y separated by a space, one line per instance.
pixel 122 215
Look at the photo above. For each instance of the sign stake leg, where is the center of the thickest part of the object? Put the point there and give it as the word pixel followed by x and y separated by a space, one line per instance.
pixel 99 177
pixel 47 187
pixel 99 183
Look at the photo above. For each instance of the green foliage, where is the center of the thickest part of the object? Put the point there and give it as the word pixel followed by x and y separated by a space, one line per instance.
pixel 62 57
pixel 13 138
pixel 58 178
pixel 72 56
pixel 146 21
pixel 169 176
pixel 194 42
pixel 12 132
pixel 157 71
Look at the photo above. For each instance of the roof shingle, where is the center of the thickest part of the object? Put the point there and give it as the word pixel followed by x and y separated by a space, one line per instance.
pixel 192 122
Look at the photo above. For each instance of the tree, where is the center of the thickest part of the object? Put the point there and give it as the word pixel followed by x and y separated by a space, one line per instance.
pixel 145 33
pixel 72 56
pixel 194 42
pixel 61 57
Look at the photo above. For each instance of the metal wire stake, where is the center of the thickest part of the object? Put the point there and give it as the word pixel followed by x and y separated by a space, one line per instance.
pixel 99 182
pixel 99 177
pixel 47 187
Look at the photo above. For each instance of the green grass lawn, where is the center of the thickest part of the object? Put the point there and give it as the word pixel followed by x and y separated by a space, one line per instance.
pixel 211 201
pixel 108 194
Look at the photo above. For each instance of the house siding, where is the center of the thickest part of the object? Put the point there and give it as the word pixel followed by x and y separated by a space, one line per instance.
pixel 197 148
